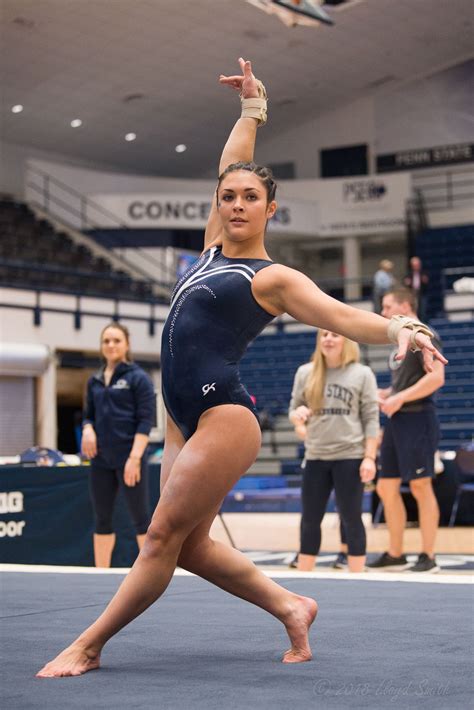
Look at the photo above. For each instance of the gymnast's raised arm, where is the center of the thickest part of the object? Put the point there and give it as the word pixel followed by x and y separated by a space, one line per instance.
pixel 241 142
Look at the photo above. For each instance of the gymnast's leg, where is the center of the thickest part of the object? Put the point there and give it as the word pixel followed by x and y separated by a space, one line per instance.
pixel 204 470
pixel 232 571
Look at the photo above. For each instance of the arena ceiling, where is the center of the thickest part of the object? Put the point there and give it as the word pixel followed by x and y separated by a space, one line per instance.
pixel 151 67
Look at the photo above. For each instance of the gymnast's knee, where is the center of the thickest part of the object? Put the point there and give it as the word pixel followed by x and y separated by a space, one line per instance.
pixel 161 535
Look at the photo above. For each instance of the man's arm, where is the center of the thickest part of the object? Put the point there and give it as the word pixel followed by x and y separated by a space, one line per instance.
pixel 425 386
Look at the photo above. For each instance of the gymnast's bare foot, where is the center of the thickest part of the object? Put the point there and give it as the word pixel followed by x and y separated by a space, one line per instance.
pixel 74 660
pixel 297 625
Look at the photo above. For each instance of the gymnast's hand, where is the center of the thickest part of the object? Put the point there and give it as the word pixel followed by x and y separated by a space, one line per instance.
pixel 246 84
pixel 132 472
pixel 428 350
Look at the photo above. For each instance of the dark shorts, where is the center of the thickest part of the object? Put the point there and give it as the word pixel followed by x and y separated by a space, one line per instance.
pixel 409 443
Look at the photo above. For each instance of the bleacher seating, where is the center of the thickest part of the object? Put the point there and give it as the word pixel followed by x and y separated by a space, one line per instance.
pixel 34 255
pixel 443 248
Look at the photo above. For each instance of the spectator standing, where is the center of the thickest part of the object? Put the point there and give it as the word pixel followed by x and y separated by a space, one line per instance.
pixel 334 410
pixel 409 444
pixel 119 414
pixel 418 281
pixel 384 280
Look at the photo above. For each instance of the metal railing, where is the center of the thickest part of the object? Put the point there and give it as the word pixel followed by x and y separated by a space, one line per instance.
pixel 79 312
pixel 76 212
pixel 445 190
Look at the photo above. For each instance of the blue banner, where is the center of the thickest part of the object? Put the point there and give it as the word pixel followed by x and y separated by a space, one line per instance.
pixel 46 517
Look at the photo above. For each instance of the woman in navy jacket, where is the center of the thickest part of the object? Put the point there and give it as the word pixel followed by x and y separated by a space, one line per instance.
pixel 119 413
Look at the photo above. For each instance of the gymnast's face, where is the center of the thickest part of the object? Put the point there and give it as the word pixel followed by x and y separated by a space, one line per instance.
pixel 243 206
pixel 114 346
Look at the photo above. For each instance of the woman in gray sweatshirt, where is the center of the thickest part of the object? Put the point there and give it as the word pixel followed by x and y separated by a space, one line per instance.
pixel 334 410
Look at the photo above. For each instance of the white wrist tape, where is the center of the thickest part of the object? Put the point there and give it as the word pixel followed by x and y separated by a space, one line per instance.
pixel 398 322
pixel 256 107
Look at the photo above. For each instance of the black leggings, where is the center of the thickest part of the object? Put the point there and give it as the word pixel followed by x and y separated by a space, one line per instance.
pixel 104 484
pixel 319 478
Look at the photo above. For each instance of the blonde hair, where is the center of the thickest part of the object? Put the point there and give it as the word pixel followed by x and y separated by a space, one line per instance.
pixel 314 390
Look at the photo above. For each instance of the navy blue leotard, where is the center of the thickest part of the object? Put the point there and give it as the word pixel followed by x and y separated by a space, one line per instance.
pixel 213 318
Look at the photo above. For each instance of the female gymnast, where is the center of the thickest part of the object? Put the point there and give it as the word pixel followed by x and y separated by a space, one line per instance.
pixel 212 434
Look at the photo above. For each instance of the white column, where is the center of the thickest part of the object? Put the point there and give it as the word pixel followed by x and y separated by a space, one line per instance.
pixel 46 407
pixel 352 267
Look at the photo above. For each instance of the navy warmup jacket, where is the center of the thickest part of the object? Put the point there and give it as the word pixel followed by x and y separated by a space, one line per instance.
pixel 127 406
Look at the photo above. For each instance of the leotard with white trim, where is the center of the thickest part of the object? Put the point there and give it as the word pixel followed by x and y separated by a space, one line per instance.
pixel 213 318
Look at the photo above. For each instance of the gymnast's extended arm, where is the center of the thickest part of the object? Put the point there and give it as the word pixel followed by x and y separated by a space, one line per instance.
pixel 280 289
pixel 241 142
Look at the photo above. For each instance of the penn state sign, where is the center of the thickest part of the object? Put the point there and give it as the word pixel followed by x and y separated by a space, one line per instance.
pixel 426 157
pixel 368 205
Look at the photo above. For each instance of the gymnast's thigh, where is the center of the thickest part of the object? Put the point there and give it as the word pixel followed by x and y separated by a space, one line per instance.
pixel 174 442
pixel 221 450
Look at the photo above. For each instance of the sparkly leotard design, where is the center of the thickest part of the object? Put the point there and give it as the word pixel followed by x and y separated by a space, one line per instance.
pixel 213 318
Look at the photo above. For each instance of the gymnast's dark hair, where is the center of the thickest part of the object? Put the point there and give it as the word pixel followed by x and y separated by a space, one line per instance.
pixel 265 175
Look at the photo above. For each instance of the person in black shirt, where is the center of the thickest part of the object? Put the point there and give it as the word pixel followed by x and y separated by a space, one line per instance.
pixel 409 444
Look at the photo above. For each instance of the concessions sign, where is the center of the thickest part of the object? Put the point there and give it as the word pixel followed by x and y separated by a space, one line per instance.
pixel 188 211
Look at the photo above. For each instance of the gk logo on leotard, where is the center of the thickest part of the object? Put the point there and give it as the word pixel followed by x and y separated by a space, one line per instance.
pixel 208 388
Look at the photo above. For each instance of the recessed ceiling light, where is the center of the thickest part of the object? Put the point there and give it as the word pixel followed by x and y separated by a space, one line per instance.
pixel 130 136
pixel 23 22
pixel 133 97
pixel 18 108
pixel 76 122
pixel 180 148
